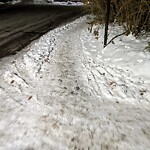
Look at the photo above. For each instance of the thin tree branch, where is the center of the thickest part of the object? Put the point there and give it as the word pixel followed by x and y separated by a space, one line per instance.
pixel 115 37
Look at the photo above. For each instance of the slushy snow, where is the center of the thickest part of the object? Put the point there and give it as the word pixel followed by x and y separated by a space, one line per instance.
pixel 65 92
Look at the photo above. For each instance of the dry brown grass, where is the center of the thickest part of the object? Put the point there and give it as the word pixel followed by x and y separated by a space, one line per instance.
pixel 133 15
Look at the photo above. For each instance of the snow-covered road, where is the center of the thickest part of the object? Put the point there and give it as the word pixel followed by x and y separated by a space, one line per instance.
pixel 63 92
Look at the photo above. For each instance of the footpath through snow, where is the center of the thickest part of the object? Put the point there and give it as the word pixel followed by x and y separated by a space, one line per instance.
pixel 64 92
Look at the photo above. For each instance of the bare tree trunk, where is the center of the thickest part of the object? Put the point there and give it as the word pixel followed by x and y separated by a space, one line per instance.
pixel 107 15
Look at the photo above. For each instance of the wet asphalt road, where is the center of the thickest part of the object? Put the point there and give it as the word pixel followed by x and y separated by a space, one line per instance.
pixel 21 24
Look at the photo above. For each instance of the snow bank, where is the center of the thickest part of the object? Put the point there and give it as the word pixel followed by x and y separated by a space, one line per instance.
pixel 47 2
pixel 65 92
pixel 16 1
pixel 52 2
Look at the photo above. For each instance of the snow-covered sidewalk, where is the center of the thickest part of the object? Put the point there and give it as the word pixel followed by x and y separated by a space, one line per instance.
pixel 64 92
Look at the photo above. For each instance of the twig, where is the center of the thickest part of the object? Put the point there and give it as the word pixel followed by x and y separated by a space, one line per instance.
pixel 115 38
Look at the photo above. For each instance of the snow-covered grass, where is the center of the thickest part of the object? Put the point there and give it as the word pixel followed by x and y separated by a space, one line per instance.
pixel 65 92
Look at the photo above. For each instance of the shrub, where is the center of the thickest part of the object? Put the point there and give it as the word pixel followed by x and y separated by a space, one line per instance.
pixel 133 15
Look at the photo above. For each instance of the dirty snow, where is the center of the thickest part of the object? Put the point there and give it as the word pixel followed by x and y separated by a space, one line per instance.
pixel 52 2
pixel 47 2
pixel 65 92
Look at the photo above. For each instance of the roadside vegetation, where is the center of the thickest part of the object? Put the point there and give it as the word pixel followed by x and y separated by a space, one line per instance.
pixel 133 15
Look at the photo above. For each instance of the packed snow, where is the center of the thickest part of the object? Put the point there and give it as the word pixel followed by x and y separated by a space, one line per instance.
pixel 66 92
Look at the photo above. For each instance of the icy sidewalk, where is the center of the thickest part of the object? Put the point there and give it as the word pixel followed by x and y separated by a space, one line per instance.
pixel 66 94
